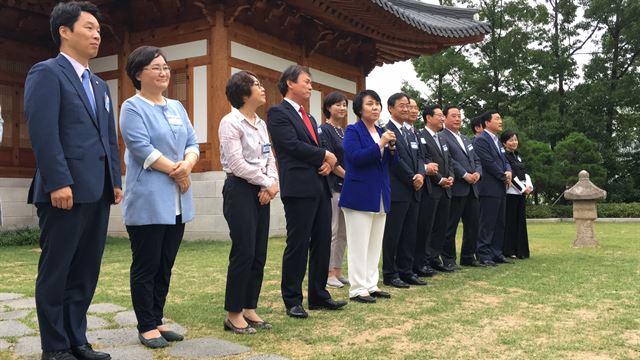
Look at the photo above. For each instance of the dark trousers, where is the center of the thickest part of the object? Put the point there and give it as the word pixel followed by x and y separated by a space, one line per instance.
pixel 466 208
pixel 249 231
pixel 72 243
pixel 430 229
pixel 154 248
pixel 516 240
pixel 491 232
pixel 308 238
pixel 399 239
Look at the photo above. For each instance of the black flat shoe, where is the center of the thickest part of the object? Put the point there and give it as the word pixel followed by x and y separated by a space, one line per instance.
pixel 363 299
pixel 328 304
pixel 426 271
pixel 397 283
pixel 155 343
pixel 259 325
pixel 86 352
pixel 248 330
pixel 414 280
pixel 380 294
pixel 298 312
pixel 171 336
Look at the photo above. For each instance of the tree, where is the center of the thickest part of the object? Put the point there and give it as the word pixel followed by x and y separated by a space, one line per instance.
pixel 575 153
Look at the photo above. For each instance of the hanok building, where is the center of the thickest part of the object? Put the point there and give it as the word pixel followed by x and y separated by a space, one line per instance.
pixel 205 42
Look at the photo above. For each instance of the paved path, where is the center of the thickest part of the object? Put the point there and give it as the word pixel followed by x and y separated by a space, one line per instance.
pixel 111 328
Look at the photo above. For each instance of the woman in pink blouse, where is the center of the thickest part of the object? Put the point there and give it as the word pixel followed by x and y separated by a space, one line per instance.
pixel 252 182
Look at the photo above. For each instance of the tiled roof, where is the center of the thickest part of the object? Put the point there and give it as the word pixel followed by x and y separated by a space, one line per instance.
pixel 436 20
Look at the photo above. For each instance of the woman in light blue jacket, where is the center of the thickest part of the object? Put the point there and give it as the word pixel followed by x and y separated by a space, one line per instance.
pixel 161 150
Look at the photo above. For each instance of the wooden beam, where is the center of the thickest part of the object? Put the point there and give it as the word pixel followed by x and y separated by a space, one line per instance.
pixel 218 72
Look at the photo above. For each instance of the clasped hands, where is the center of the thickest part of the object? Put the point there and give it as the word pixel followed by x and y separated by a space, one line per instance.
pixel 267 194
pixel 472 178
pixel 180 174
pixel 330 161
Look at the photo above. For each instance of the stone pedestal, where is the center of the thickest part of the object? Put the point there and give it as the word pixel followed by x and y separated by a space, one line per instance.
pixel 584 195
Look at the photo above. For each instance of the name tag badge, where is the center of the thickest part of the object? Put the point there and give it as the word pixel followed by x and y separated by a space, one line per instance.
pixel 174 120
pixel 107 103
pixel 469 147
pixel 414 145
pixel 502 149
pixel 266 148
pixel 445 147
pixel 319 130
pixel 519 159
pixel 423 141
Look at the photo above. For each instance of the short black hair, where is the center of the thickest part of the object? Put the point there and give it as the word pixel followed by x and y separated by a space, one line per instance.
pixel 430 111
pixel 486 116
pixel 239 86
pixel 449 107
pixel 291 73
pixel 67 13
pixel 475 122
pixel 333 98
pixel 508 134
pixel 358 100
pixel 138 59
pixel 393 99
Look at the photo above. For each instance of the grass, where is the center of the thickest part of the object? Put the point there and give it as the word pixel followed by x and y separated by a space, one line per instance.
pixel 563 303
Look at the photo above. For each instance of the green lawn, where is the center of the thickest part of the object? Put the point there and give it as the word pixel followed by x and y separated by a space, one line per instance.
pixel 563 303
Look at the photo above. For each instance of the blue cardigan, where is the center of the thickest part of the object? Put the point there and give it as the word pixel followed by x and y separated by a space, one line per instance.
pixel 150 195
pixel 367 171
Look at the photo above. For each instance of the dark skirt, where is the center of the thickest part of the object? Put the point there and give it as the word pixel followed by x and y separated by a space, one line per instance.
pixel 516 239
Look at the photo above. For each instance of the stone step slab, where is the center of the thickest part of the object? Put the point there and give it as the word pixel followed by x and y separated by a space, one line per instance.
pixel 14 328
pixel 14 315
pixel 105 308
pixel 204 348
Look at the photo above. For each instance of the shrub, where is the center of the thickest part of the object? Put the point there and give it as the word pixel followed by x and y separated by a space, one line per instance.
pixel 25 236
pixel 605 210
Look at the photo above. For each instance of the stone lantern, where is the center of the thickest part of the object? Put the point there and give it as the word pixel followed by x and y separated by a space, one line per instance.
pixel 584 195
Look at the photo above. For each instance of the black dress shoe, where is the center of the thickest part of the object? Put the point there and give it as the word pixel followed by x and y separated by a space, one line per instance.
pixel 153 343
pixel 441 267
pixel 328 304
pixel 380 294
pixel 298 312
pixel 86 352
pixel 247 330
pixel 426 271
pixel 363 299
pixel 414 280
pixel 58 355
pixel 397 283
pixel 449 267
pixel 260 325
pixel 472 263
pixel 502 260
pixel 487 263
pixel 171 336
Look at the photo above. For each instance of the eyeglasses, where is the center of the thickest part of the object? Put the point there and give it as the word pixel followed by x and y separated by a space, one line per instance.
pixel 158 69
pixel 258 84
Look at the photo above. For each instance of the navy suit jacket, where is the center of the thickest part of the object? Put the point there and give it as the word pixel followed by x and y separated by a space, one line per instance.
pixel 462 162
pixel 298 155
pixel 441 157
pixel 72 145
pixel 366 171
pixel 403 170
pixel 494 164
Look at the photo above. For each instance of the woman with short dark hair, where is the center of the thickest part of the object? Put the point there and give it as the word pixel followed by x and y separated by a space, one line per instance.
pixel 330 135
pixel 516 238
pixel 366 195
pixel 161 152
pixel 252 182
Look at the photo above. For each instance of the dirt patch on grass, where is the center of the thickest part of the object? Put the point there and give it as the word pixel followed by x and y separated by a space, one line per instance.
pixel 632 337
pixel 587 355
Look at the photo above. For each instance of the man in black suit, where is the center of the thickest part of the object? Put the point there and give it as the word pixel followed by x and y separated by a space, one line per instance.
pixel 434 210
pixel 464 202
pixel 72 131
pixel 407 179
pixel 303 167
pixel 496 178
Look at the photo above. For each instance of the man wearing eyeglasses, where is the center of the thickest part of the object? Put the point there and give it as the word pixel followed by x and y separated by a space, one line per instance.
pixel 72 131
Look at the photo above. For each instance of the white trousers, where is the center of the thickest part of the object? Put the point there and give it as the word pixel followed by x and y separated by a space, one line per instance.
pixel 364 238
pixel 338 234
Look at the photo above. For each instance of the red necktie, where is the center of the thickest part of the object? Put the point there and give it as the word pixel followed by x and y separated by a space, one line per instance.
pixel 307 123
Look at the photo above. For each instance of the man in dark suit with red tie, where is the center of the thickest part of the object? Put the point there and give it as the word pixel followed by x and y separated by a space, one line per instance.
pixel 496 177
pixel 72 131
pixel 303 167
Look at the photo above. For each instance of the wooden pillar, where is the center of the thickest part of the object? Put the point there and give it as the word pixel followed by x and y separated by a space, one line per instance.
pixel 125 89
pixel 218 72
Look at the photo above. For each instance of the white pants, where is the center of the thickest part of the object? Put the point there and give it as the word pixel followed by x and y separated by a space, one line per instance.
pixel 338 234
pixel 364 237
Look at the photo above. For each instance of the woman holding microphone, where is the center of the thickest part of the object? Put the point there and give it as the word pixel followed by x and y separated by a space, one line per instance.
pixel 366 195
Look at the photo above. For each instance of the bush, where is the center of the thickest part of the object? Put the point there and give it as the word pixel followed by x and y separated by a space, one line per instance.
pixel 25 236
pixel 605 210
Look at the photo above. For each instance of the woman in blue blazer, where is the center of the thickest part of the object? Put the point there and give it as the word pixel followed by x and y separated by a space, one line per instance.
pixel 366 195
pixel 161 151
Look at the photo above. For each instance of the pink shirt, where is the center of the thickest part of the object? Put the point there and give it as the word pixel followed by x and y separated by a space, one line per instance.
pixel 245 149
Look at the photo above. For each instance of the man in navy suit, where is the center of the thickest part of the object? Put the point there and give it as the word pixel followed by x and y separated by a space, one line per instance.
pixel 407 179
pixel 303 167
pixel 464 202
pixel 434 210
pixel 496 178
pixel 72 131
